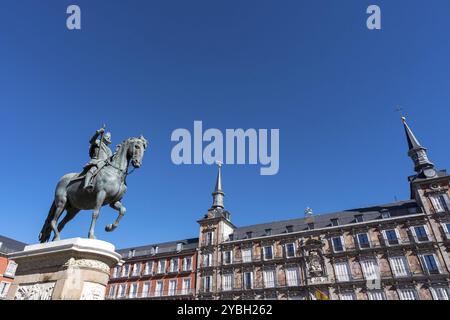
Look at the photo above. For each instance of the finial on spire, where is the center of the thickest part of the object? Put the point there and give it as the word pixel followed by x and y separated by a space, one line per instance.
pixel 218 193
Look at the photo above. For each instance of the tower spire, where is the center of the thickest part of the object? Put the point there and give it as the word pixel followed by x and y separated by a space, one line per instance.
pixel 218 194
pixel 416 151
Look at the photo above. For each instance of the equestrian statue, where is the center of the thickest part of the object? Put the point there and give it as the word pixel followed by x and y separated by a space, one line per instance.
pixel 102 182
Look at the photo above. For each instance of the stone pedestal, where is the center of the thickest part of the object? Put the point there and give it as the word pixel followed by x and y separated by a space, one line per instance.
pixel 71 269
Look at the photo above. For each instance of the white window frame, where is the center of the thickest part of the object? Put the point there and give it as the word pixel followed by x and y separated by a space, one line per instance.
pixel 146 293
pixel 270 281
pixel 348 276
pixel 424 265
pixel 368 239
pixel 160 292
pixel 244 278
pixel 186 288
pixel 264 252
pixel 436 202
pixel 122 290
pixel 224 255
pixel 208 240
pixel 207 260
pixel 386 241
pixel 440 293
pixel 10 269
pixel 172 287
pixel 161 266
pixel 185 265
pixel 347 296
pixel 174 265
pixel 375 294
pixel 407 293
pixel 116 272
pixel 133 290
pixel 126 270
pixel 342 243
pixel 286 250
pixel 292 282
pixel 111 291
pixel 208 288
pixel 179 246
pixel 4 288
pixel 227 282
pixel 371 272
pixel 446 229
pixel 394 264
pixel 245 257
pixel 148 267
pixel 413 232
pixel 136 269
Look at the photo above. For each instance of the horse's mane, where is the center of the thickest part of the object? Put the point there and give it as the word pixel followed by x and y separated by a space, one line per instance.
pixel 127 141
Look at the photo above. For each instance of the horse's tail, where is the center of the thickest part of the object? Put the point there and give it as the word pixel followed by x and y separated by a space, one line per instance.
pixel 46 231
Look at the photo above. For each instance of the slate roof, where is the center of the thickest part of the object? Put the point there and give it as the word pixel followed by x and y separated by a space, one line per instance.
pixel 8 245
pixel 165 247
pixel 400 208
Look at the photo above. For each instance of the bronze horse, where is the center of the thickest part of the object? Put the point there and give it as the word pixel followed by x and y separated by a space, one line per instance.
pixel 109 188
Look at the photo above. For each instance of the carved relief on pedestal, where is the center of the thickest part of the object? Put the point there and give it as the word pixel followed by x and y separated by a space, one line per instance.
pixel 93 291
pixel 37 291
pixel 87 263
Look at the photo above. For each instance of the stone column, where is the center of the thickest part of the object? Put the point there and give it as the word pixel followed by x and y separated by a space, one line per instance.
pixel 71 269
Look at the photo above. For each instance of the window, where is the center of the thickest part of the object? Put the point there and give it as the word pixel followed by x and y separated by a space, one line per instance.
pixel 246 255
pixel 207 260
pixel 376 295
pixel 154 250
pixel 370 269
pixel 174 265
pixel 131 253
pixel 227 282
pixel 159 289
pixel 116 272
pixel 249 234
pixel 187 266
pixel 269 278
pixel 207 283
pixel 4 287
pixel 420 233
pixel 268 232
pixel 186 286
pixel 133 290
pixel 391 237
pixel 162 266
pixel 289 229
pixel 248 280
pixel 440 202
pixel 430 263
pixel 290 250
pixel 399 266
pixel 446 228
pixel 146 290
pixel 148 267
pixel 440 293
pixel 385 214
pixel 268 253
pixel 359 218
pixel 136 269
pixel 338 244
pixel 11 269
pixel 292 277
pixel 363 240
pixel 121 292
pixel 179 246
pixel 126 270
pixel 172 287
pixel 227 257
pixel 348 296
pixel 231 237
pixel 335 222
pixel 407 294
pixel 342 271
pixel 311 226
pixel 209 238
pixel 112 290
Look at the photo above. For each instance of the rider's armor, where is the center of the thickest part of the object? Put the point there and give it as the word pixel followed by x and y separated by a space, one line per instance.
pixel 99 153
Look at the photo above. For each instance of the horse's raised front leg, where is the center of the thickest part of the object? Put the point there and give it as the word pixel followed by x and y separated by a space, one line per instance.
pixel 99 202
pixel 119 207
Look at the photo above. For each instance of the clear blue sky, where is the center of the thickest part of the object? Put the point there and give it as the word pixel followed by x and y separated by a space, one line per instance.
pixel 310 68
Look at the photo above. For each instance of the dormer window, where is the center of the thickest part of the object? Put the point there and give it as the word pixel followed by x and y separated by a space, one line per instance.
pixel 311 226
pixel 131 253
pixel 268 232
pixel 231 237
pixel 385 214
pixel 154 250
pixel 335 222
pixel 249 234
pixel 289 229
pixel 359 218
pixel 179 246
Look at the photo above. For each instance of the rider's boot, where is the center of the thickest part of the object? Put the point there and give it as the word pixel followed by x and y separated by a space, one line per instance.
pixel 88 181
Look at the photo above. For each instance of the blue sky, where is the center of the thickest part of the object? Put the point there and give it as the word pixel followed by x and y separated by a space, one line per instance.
pixel 310 68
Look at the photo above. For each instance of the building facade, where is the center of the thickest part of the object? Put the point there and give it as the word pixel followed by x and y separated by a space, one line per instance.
pixel 159 271
pixel 7 266
pixel 396 251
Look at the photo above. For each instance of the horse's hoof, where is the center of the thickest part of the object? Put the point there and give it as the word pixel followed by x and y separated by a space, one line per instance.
pixel 110 227
pixel 91 236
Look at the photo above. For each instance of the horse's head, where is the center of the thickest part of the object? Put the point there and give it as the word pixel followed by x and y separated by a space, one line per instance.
pixel 136 149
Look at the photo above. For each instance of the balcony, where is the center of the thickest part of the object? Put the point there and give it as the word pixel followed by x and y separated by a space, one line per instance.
pixel 166 294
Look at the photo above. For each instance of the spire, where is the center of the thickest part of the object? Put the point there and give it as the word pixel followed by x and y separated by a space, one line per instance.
pixel 218 193
pixel 416 152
